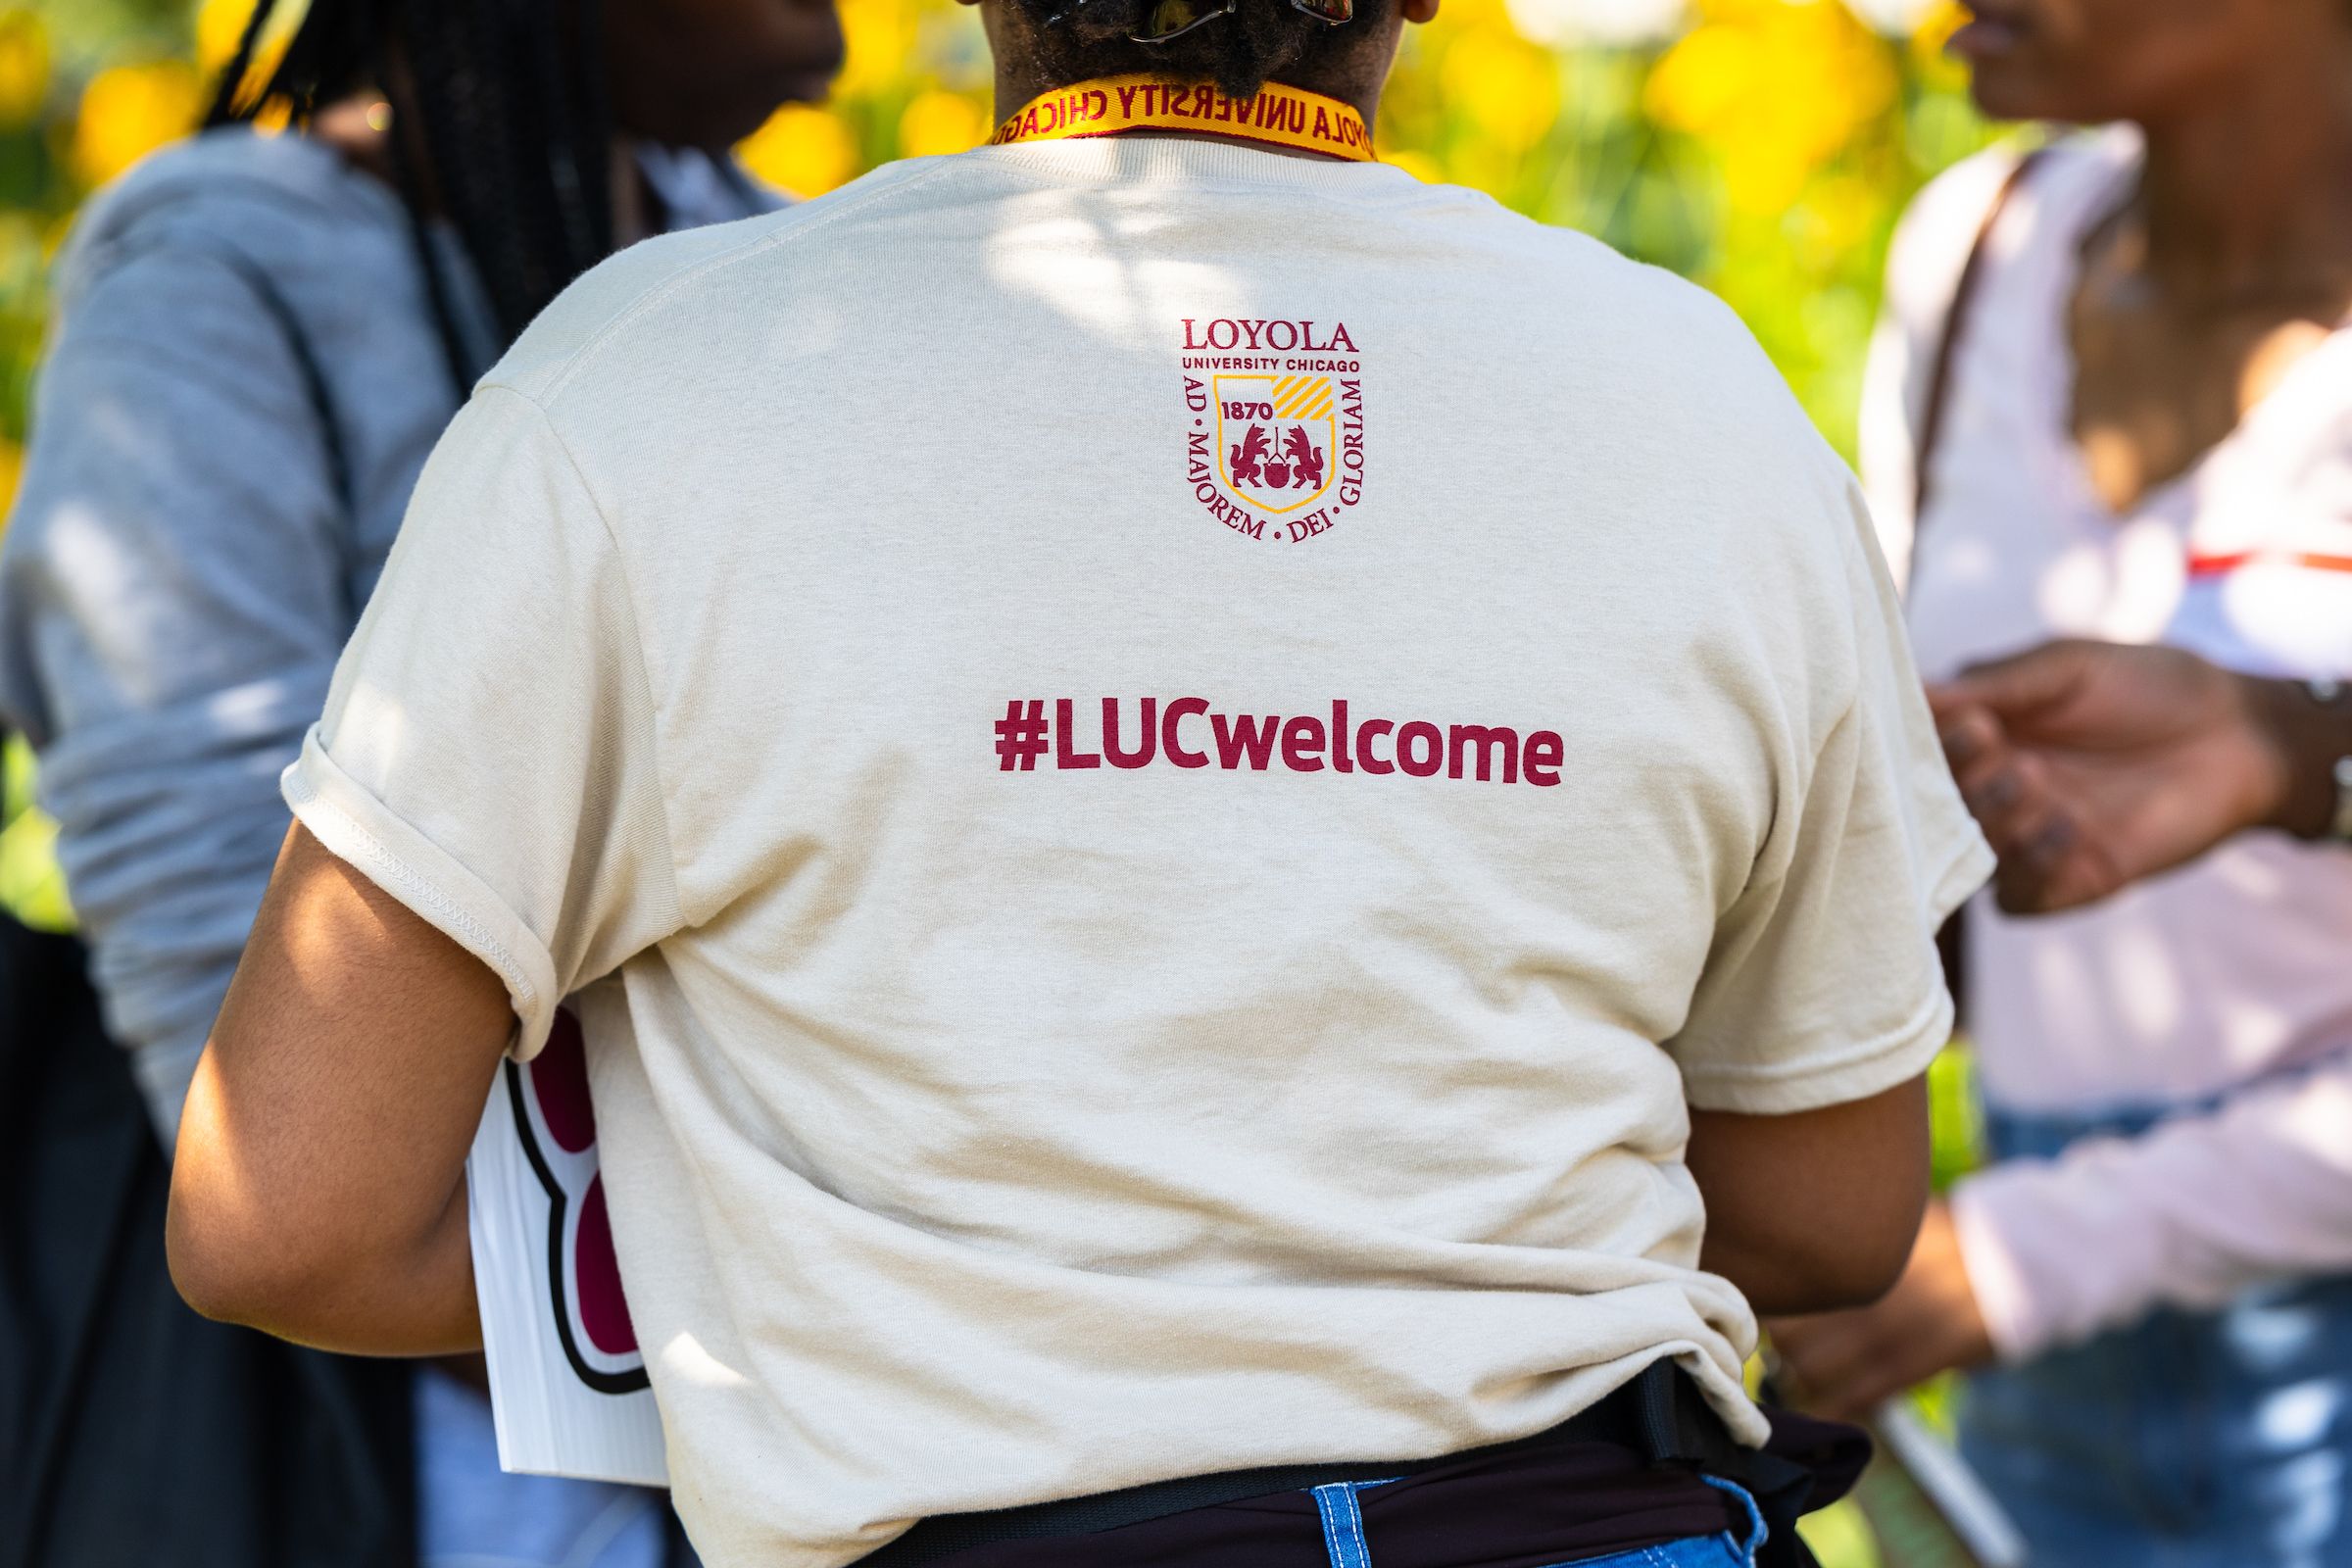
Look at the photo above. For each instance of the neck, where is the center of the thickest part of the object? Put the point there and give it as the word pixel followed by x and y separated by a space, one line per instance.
pixel 2248 190
pixel 1023 73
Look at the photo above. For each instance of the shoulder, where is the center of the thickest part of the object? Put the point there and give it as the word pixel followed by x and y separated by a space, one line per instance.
pixel 1658 389
pixel 282 203
pixel 1463 270
pixel 1556 304
pixel 1592 290
pixel 1939 229
pixel 656 279
pixel 232 176
pixel 1675 361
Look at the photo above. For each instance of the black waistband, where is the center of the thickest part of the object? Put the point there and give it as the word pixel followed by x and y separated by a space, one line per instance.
pixel 1660 1414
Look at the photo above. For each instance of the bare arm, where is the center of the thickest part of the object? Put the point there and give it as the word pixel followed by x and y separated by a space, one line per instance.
pixel 1816 1210
pixel 1842 1364
pixel 319 1192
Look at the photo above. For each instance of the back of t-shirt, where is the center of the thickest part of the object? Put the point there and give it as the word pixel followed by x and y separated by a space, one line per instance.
pixel 1158 770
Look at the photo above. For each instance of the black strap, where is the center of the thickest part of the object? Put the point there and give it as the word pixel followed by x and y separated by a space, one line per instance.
pixel 1940 375
pixel 127 242
pixel 1659 1414
pixel 305 361
pixel 123 224
pixel 1951 939
pixel 1679 1428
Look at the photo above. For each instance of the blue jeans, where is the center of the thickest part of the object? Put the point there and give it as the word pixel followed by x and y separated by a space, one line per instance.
pixel 1343 1534
pixel 471 1514
pixel 2219 1439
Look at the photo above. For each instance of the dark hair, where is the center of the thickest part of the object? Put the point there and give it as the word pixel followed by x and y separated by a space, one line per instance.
pixel 509 109
pixel 1263 40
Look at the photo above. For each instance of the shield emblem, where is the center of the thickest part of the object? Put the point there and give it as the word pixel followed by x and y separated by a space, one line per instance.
pixel 1277 439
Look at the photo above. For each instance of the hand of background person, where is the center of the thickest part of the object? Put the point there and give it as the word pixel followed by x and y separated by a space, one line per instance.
pixel 1843 1364
pixel 2090 766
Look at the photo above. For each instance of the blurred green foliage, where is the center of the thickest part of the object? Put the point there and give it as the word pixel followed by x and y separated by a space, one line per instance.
pixel 1955 1113
pixel 31 887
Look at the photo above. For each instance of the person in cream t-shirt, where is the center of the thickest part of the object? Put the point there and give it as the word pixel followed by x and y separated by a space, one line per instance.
pixel 1159 772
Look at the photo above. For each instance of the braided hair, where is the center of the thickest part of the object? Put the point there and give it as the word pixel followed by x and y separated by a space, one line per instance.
pixel 510 116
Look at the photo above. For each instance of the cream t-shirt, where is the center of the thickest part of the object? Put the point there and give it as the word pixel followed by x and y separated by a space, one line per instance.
pixel 1514 738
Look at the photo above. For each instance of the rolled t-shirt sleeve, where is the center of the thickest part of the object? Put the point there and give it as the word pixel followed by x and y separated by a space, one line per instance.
pixel 1823 984
pixel 487 751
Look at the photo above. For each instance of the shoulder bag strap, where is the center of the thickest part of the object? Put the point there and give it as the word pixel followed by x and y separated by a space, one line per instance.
pixel 305 360
pixel 332 444
pixel 265 292
pixel 1950 941
pixel 1940 379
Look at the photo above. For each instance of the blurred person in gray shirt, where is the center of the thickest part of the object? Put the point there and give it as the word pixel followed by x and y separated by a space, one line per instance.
pixel 258 338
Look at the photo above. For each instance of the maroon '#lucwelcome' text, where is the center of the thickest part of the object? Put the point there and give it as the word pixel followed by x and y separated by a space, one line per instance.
pixel 1306 744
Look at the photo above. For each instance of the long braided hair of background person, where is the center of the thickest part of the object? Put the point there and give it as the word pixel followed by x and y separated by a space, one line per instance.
pixel 507 104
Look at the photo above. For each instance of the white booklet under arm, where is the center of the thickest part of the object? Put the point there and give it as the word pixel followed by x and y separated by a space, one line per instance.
pixel 568 1386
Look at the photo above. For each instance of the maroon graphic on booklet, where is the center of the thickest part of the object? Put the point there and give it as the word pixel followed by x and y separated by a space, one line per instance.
pixel 556 1120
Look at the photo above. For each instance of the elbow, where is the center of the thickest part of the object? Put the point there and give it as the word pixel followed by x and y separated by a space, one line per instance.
pixel 227 1266
pixel 1796 1260
pixel 1831 1279
pixel 1862 1281
pixel 214 1289
pixel 238 1254
pixel 1843 1260
pixel 249 1237
pixel 294 1271
pixel 242 1269
pixel 272 1238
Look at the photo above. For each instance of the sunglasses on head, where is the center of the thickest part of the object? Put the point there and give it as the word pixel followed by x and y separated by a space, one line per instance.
pixel 1173 19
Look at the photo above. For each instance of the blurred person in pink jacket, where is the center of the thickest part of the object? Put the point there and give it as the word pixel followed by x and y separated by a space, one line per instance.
pixel 2112 399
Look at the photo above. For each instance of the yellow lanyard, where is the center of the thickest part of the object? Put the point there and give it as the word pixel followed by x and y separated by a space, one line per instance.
pixel 1278 116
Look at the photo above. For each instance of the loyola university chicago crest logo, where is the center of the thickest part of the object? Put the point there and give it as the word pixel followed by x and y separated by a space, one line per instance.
pixel 1274 440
